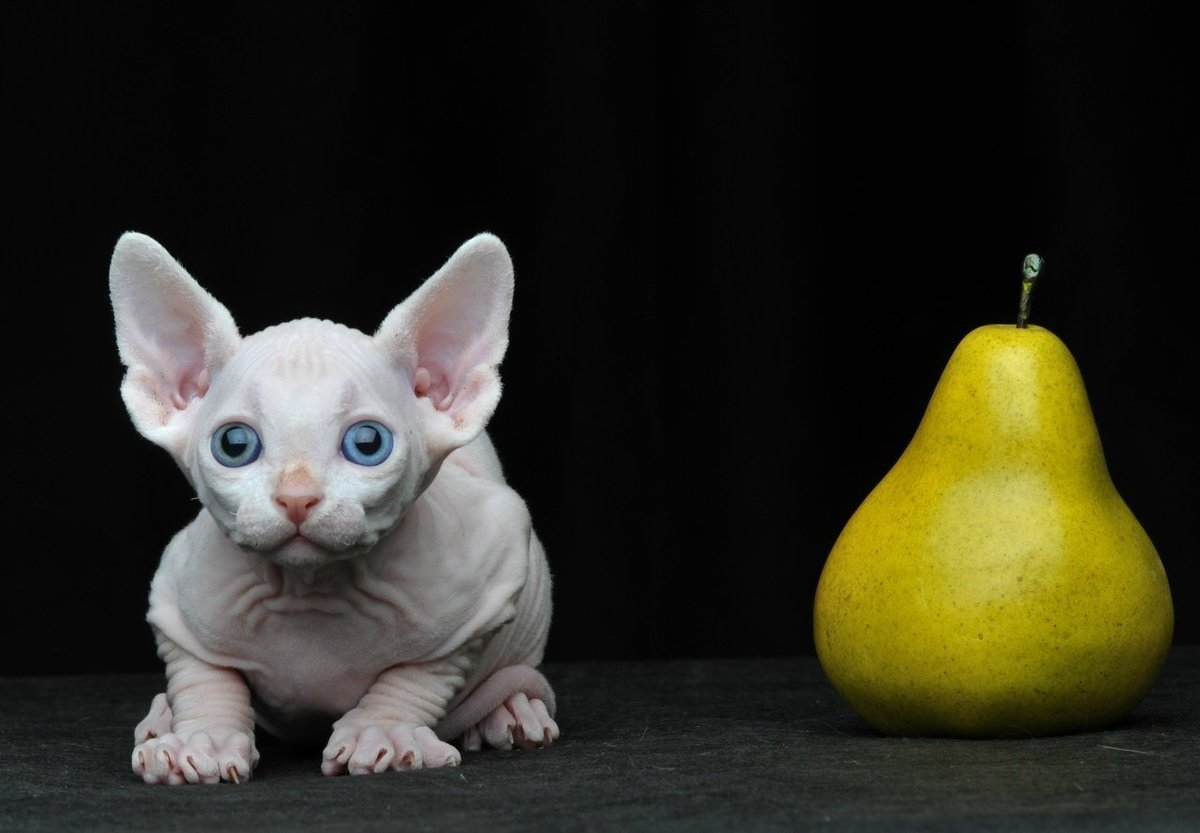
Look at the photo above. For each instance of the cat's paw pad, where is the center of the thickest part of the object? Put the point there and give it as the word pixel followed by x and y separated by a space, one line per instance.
pixel 378 747
pixel 200 758
pixel 519 721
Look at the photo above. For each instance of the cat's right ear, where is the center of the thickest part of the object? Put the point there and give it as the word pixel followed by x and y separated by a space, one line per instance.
pixel 172 336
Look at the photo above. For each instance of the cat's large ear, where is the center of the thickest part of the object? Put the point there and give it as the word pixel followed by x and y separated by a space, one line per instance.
pixel 450 336
pixel 172 336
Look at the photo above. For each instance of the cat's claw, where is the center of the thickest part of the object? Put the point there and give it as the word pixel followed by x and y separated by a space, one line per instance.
pixel 519 721
pixel 361 749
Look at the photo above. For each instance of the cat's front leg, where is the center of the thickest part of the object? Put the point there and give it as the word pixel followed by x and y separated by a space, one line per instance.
pixel 201 730
pixel 391 728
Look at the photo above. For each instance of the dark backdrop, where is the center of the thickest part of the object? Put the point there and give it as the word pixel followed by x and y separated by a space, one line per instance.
pixel 747 237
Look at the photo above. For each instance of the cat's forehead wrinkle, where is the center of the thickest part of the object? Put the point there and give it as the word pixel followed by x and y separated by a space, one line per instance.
pixel 307 348
pixel 312 361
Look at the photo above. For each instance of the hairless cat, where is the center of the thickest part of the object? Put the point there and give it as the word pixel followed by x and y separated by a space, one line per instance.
pixel 359 572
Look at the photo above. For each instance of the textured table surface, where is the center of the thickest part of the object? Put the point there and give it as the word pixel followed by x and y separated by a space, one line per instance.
pixel 684 745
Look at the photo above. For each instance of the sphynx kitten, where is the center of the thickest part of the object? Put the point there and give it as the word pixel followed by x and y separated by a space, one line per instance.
pixel 359 571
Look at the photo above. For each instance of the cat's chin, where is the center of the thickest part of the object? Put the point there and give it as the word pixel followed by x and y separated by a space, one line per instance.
pixel 299 553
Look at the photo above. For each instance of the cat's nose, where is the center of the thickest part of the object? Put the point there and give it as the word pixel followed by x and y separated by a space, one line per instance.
pixel 297 507
pixel 297 492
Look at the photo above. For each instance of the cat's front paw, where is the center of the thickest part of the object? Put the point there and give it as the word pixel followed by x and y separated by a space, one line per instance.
pixel 199 758
pixel 364 748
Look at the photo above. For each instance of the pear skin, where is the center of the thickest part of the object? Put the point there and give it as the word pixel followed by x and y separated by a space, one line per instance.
pixel 994 583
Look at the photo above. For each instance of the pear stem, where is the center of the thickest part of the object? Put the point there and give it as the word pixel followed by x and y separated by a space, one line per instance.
pixel 1029 271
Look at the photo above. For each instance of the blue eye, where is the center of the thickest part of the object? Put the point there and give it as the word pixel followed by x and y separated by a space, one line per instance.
pixel 236 444
pixel 367 443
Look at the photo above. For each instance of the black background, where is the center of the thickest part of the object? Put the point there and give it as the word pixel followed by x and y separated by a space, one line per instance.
pixel 747 238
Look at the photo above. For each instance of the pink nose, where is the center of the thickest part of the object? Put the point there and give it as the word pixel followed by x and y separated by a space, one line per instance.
pixel 297 507
pixel 297 491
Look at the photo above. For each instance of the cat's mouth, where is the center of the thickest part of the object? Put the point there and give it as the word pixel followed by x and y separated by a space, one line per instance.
pixel 289 546
pixel 300 552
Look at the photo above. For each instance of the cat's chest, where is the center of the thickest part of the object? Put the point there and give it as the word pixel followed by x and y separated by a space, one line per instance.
pixel 310 646
pixel 342 620
pixel 321 649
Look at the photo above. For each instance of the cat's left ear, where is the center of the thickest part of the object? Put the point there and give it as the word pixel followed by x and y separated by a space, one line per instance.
pixel 450 336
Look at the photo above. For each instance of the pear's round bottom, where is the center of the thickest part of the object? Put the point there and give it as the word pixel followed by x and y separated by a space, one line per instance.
pixel 1012 703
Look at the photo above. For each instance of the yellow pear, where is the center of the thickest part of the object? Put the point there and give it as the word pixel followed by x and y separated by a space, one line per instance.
pixel 994 583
